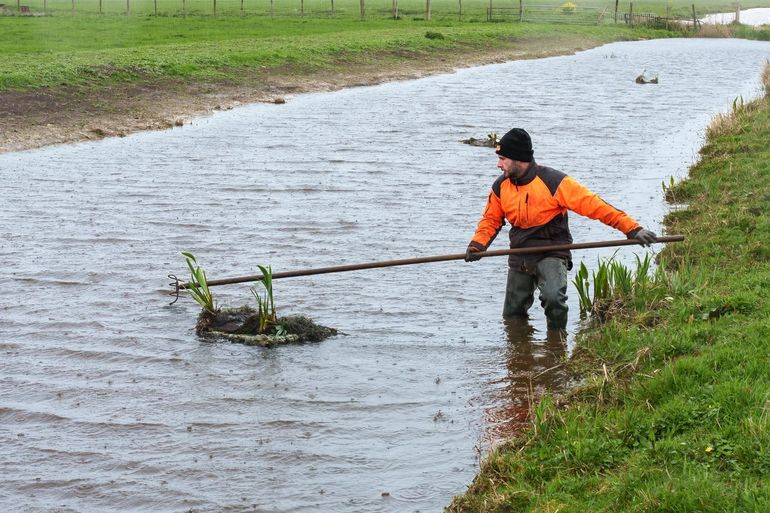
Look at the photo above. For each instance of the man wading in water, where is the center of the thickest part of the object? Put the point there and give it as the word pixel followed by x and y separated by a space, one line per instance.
pixel 534 199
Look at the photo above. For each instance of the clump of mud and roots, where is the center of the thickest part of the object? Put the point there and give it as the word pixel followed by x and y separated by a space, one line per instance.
pixel 489 142
pixel 242 325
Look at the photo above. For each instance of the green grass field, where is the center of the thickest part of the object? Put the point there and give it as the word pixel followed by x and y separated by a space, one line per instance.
pixel 674 412
pixel 62 49
pixel 53 51
pixel 373 9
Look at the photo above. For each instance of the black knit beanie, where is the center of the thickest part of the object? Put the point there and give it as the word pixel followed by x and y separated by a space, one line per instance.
pixel 516 145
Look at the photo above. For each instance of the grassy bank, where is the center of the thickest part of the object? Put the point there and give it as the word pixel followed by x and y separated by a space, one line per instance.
pixel 90 50
pixel 72 78
pixel 674 411
pixel 66 78
pixel 65 51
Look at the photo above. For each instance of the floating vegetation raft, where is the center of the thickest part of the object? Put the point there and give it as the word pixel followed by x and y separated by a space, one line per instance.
pixel 646 79
pixel 246 325
pixel 489 142
pixel 242 325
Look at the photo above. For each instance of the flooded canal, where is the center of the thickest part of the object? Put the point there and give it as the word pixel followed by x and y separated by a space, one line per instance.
pixel 109 401
pixel 753 17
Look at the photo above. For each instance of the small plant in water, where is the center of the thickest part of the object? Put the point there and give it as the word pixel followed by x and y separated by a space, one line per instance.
pixel 198 285
pixel 615 286
pixel 265 303
pixel 668 189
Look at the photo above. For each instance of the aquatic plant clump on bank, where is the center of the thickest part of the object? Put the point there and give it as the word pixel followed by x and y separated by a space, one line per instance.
pixel 242 325
pixel 672 415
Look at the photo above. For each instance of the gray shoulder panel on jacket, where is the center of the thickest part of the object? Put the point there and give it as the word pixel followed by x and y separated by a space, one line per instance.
pixel 551 178
pixel 497 184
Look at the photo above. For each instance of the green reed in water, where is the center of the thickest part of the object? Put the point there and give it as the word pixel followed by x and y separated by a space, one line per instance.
pixel 265 303
pixel 616 287
pixel 198 285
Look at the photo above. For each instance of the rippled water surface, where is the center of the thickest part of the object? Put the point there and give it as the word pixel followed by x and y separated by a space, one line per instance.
pixel 110 402
pixel 754 17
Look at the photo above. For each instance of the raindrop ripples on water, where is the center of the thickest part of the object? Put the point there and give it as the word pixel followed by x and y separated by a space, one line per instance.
pixel 108 400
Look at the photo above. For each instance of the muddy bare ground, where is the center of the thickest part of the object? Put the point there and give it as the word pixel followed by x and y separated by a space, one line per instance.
pixel 36 118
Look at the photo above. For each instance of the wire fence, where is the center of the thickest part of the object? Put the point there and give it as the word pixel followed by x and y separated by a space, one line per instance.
pixel 463 10
pixel 566 13
pixel 312 8
pixel 469 10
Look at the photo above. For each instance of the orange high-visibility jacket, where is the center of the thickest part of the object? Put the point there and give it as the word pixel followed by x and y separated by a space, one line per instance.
pixel 536 206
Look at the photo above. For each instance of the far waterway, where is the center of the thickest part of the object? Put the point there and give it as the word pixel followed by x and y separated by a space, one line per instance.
pixel 753 17
pixel 110 402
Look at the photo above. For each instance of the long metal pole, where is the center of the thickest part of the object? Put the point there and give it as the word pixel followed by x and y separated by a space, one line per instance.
pixel 425 260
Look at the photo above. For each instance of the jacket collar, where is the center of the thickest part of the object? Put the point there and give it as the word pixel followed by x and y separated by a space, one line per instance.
pixel 528 176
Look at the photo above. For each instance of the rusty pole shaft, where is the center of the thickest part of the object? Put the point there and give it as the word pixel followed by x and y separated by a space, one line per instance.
pixel 437 258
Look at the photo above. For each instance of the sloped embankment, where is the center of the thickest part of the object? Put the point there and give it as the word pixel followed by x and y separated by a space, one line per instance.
pixel 674 413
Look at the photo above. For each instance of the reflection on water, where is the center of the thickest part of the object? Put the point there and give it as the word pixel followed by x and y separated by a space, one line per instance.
pixel 534 364
pixel 109 401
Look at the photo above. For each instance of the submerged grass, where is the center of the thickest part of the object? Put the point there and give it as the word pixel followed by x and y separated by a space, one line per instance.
pixel 672 415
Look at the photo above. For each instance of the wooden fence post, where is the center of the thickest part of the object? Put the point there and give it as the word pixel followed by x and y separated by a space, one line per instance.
pixel 394 9
pixel 631 14
pixel 489 11
pixel 363 10
pixel 521 11
pixel 460 14
pixel 694 19
pixel 215 7
pixel 302 7
pixel 155 2
pixel 427 10
pixel 128 7
pixel 73 7
pixel 333 12
pixel 616 10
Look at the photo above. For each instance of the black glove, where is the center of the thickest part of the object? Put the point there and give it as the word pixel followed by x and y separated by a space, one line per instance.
pixel 472 254
pixel 643 235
